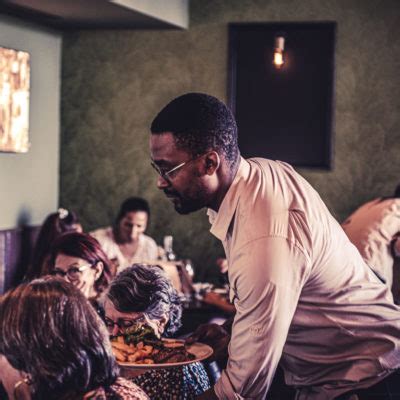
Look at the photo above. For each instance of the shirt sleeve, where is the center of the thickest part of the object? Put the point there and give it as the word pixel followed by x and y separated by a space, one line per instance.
pixel 150 249
pixel 266 276
pixel 396 229
pixel 396 246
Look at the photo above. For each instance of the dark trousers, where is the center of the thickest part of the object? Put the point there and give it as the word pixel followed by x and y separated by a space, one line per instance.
pixel 387 389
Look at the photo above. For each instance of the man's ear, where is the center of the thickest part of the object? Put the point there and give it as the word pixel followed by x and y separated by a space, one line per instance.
pixel 212 161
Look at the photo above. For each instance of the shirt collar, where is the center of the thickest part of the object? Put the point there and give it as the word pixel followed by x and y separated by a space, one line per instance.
pixel 221 220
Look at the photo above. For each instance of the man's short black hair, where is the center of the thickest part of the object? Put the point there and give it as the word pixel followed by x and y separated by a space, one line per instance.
pixel 199 123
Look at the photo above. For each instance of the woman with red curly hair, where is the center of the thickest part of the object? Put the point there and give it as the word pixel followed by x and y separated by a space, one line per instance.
pixel 79 259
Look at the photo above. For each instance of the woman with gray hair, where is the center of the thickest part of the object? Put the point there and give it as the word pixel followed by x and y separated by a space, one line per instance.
pixel 144 294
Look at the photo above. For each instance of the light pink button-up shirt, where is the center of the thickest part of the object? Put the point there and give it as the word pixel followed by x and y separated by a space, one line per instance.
pixel 301 291
pixel 371 228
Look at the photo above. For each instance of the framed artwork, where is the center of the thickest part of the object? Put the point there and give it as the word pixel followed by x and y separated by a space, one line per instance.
pixel 281 90
pixel 14 100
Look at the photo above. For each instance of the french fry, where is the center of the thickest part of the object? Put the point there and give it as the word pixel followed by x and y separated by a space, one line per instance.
pixel 123 346
pixel 147 350
pixel 119 355
pixel 174 344
pixel 137 355
pixel 148 361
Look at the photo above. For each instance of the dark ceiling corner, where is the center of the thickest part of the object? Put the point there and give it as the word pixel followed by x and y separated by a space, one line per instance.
pixel 87 14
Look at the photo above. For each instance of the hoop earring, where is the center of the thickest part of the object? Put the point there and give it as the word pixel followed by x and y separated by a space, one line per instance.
pixel 25 381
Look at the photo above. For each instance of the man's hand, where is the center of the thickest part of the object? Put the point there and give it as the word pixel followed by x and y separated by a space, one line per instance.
pixel 215 336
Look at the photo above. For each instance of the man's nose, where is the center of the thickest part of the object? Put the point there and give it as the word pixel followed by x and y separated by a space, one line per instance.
pixel 162 183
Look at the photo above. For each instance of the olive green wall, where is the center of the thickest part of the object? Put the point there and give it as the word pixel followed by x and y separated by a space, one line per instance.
pixel 114 82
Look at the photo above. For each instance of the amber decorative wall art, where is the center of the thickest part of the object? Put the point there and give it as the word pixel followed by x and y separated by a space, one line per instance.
pixel 14 100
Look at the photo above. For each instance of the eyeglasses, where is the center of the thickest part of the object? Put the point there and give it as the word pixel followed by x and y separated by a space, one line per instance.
pixel 72 273
pixel 168 175
pixel 123 323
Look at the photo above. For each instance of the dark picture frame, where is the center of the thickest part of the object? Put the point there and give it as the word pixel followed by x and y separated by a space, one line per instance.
pixel 284 113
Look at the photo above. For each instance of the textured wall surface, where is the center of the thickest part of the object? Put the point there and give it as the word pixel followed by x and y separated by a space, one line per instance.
pixel 114 82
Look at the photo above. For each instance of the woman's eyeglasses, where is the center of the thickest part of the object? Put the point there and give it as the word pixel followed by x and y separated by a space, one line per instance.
pixel 72 273
pixel 123 323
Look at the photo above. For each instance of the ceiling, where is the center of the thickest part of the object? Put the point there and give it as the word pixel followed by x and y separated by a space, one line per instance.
pixel 101 14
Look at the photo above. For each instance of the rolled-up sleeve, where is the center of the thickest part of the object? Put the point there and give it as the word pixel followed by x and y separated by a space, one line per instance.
pixel 396 246
pixel 266 277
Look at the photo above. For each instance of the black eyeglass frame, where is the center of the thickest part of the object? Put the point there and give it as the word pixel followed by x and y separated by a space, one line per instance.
pixel 123 323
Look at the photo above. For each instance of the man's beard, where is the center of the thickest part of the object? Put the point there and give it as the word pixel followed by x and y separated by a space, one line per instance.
pixel 186 204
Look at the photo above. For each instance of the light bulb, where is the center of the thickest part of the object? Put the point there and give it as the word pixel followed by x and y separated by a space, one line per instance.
pixel 278 51
pixel 278 59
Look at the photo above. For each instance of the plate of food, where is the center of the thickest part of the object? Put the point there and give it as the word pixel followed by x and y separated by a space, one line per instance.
pixel 140 348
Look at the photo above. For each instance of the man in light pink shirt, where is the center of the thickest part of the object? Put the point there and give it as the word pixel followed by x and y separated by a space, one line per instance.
pixel 374 228
pixel 302 292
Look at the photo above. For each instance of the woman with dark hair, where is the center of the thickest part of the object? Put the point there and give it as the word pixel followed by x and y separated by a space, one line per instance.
pixel 125 243
pixel 53 337
pixel 143 294
pixel 79 258
pixel 54 226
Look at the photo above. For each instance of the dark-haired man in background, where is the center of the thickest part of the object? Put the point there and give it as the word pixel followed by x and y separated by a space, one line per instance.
pixel 300 288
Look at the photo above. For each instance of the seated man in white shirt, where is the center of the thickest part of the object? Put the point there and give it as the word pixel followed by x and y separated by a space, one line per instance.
pixel 302 292
pixel 374 228
pixel 125 243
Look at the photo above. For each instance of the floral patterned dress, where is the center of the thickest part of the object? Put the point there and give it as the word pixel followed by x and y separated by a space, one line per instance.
pixel 179 383
pixel 121 389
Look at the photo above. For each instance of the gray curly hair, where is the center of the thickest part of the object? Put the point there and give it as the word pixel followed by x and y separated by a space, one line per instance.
pixel 146 288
